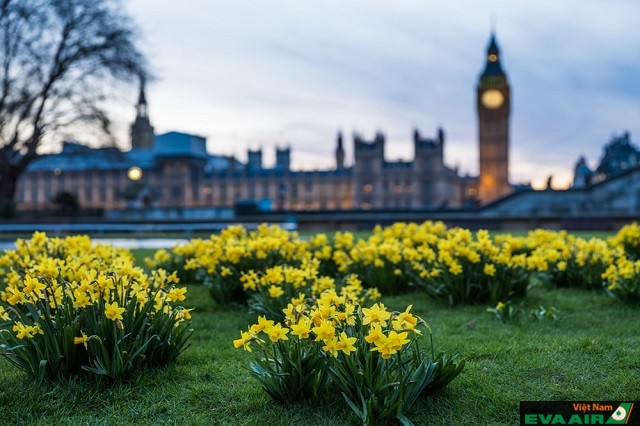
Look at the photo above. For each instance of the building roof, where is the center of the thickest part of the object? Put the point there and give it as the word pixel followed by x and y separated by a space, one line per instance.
pixel 81 157
pixel 493 68
pixel 180 144
pixel 77 157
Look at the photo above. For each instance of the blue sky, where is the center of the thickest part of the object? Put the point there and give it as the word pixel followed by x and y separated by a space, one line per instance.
pixel 250 74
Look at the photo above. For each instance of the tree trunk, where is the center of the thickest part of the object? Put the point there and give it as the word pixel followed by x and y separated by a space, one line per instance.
pixel 8 184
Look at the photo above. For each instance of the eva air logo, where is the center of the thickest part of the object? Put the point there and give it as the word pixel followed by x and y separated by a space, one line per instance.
pixel 621 415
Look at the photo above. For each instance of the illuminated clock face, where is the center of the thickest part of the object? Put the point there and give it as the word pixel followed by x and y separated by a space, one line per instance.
pixel 492 99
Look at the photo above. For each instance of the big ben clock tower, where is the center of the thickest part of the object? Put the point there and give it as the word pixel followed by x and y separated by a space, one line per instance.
pixel 493 104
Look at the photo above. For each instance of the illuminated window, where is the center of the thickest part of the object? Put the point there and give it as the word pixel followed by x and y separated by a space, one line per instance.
pixel 365 206
pixel 368 188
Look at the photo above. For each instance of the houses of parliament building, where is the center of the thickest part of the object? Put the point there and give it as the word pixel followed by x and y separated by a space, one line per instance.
pixel 175 170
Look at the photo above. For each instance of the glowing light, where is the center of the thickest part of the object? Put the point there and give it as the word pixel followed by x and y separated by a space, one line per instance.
pixel 134 173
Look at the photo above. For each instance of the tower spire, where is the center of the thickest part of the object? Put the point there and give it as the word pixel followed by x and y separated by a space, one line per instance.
pixel 142 132
pixel 142 99
pixel 339 152
pixel 493 66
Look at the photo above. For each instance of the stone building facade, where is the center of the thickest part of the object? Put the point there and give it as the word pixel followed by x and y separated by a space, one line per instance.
pixel 175 170
pixel 178 172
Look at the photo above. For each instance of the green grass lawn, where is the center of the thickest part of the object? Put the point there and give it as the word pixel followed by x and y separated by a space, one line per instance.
pixel 592 352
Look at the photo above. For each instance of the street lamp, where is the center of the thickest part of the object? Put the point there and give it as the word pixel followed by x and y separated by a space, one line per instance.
pixel 134 173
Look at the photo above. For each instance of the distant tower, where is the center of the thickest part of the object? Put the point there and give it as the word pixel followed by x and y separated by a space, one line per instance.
pixel 493 103
pixel 339 153
pixel 429 172
pixel 283 158
pixel 254 158
pixel 582 174
pixel 368 171
pixel 142 130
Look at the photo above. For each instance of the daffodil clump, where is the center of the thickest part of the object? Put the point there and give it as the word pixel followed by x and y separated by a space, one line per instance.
pixel 221 260
pixel 628 238
pixel 622 279
pixel 393 257
pixel 46 255
pixel 567 261
pixel 452 264
pixel 272 290
pixel 176 260
pixel 470 269
pixel 372 355
pixel 70 307
pixel 331 252
pixel 588 261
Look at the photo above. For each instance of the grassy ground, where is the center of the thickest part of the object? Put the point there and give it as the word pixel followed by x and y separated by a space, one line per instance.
pixel 141 254
pixel 590 353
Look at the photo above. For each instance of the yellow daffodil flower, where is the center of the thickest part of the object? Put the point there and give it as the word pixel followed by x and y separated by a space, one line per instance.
pixel 276 332
pixel 113 311
pixel 376 314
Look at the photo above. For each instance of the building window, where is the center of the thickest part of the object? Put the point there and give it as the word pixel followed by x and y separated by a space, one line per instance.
pixel 427 192
pixel 223 194
pixel 308 186
pixel 368 188
pixel 177 193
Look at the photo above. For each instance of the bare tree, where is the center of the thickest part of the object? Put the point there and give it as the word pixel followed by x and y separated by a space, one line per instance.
pixel 59 62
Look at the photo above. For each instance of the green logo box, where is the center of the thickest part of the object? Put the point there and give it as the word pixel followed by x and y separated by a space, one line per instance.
pixel 580 413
